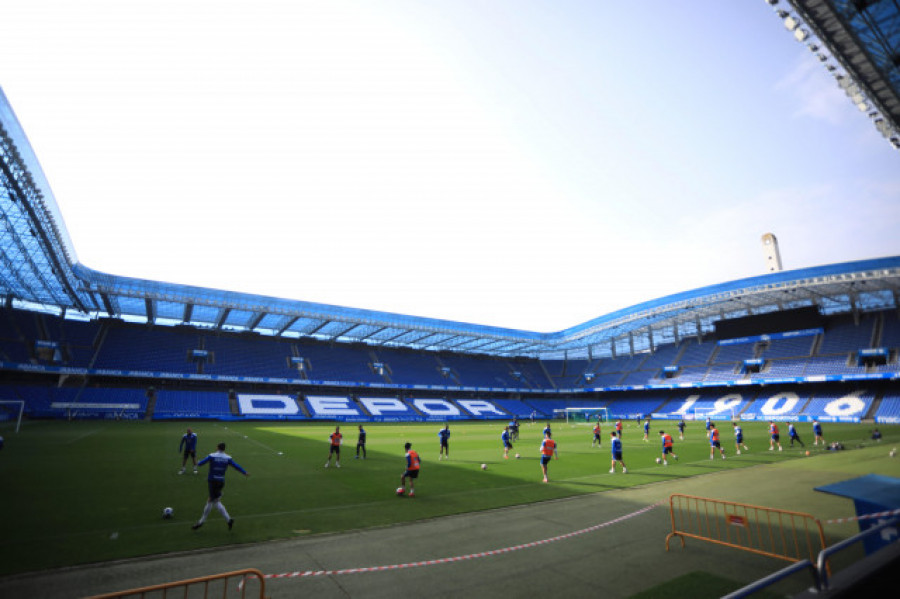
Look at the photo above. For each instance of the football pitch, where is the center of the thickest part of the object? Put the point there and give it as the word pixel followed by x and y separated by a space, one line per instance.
pixel 85 492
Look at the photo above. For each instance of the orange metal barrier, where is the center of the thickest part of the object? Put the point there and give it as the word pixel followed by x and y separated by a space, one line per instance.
pixel 218 584
pixel 785 535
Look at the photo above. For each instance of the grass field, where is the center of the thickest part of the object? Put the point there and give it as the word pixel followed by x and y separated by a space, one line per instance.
pixel 82 492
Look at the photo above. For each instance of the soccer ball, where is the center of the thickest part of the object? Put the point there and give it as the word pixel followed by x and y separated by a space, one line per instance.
pixel 807 452
pixel 168 513
pixel 893 453
pixel 484 466
pixel 659 460
pixel 400 491
pixel 518 456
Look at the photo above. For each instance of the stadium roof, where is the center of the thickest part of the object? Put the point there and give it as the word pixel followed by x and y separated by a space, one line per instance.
pixel 39 268
pixel 858 42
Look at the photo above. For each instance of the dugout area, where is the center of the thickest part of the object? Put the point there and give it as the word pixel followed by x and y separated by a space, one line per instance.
pixel 625 557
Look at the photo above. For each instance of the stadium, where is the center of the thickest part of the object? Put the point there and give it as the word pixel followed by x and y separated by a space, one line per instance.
pixel 106 372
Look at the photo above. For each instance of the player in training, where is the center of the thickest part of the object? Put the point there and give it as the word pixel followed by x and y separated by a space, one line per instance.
pixel 361 442
pixel 413 463
pixel 681 429
pixel 668 447
pixel 619 428
pixel 739 438
pixel 794 435
pixel 817 431
pixel 334 449
pixel 547 430
pixel 647 430
pixel 188 447
pixel 444 437
pixel 714 442
pixel 616 453
pixel 507 442
pixel 774 437
pixel 597 438
pixel 218 465
pixel 548 450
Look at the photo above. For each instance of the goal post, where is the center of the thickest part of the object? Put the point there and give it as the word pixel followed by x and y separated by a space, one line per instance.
pixel 588 415
pixel 11 411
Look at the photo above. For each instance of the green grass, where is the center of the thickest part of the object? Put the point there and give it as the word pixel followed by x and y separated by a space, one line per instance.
pixel 698 585
pixel 81 492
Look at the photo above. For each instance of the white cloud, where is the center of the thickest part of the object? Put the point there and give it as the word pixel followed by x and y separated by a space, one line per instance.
pixel 815 92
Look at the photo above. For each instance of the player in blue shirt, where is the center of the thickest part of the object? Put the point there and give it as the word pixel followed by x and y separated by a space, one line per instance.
pixel 547 430
pixel 218 464
pixel 739 438
pixel 616 453
pixel 361 442
pixel 647 429
pixel 792 433
pixel 681 429
pixel 188 446
pixel 507 442
pixel 817 431
pixel 444 436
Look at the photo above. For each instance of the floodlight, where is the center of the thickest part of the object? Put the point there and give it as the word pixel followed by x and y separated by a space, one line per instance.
pixel 791 23
pixel 801 34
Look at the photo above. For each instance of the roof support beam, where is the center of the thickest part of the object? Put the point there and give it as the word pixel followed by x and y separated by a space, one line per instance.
pixel 254 322
pixel 223 316
pixel 186 315
pixel 150 305
pixel 375 332
pixel 286 326
pixel 107 304
pixel 345 331
pixel 318 328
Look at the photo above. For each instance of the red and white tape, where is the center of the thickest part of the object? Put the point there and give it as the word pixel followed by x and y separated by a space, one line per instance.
pixel 469 556
pixel 864 517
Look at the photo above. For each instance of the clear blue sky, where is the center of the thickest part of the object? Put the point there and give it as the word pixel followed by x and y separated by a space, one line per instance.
pixel 513 163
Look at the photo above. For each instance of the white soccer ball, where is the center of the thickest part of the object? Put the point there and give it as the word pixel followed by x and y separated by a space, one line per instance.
pixel 893 453
pixel 168 513
pixel 400 490
pixel 484 466
pixel 518 456
pixel 659 460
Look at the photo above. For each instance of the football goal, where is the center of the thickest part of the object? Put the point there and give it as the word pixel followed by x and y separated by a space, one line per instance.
pixel 581 415
pixel 11 411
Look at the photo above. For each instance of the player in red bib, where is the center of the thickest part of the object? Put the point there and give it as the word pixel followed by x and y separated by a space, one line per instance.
pixel 336 438
pixel 412 470
pixel 548 450
pixel 774 437
pixel 714 442
pixel 668 446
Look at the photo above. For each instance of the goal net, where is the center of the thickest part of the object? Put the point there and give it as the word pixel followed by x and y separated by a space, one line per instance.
pixel 11 414
pixel 581 415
